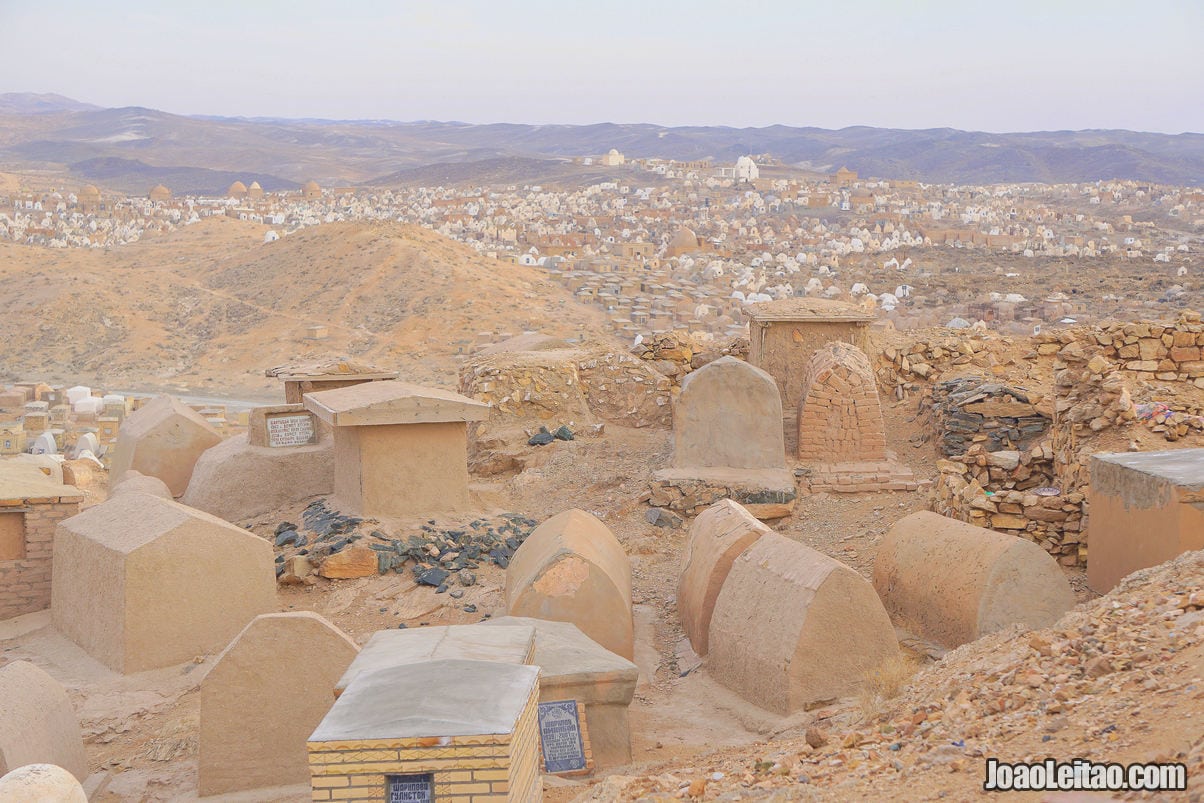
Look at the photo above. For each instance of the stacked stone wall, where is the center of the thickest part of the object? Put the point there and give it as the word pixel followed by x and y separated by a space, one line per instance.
pixel 570 385
pixel 1095 386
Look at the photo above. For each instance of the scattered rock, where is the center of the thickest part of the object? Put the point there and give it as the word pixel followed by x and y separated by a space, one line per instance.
pixel 663 517
pixel 355 561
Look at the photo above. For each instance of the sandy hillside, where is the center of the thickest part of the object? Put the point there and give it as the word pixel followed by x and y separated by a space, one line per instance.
pixel 211 306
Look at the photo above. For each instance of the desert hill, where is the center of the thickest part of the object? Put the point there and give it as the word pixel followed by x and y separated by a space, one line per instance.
pixel 134 148
pixel 211 306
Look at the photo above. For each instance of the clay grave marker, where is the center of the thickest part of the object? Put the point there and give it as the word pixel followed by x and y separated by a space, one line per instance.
pixel 562 738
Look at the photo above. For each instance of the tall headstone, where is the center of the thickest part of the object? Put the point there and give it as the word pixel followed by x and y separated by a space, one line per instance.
pixel 571 568
pixel 274 680
pixel 729 415
pixel 728 442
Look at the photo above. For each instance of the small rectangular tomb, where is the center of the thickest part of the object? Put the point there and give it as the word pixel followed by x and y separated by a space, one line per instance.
pixel 399 449
pixel 574 667
pixel 1146 508
pixel 432 731
pixel 300 378
pixel 784 334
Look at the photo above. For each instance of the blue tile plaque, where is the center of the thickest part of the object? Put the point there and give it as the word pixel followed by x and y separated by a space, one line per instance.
pixel 560 735
pixel 410 788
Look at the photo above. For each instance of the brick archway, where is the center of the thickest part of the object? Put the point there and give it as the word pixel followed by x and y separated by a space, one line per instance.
pixel 839 415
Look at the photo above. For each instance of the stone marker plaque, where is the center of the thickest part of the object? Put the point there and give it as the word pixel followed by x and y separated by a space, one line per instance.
pixel 410 788
pixel 290 430
pixel 560 736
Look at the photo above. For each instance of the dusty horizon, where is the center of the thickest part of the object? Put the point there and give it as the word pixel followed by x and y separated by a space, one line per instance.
pixel 1033 68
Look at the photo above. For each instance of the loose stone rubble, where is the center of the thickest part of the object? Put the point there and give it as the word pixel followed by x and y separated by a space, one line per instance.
pixel 577 386
pixel 438 552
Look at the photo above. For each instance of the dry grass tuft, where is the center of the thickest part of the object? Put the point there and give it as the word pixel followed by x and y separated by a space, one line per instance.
pixel 885 683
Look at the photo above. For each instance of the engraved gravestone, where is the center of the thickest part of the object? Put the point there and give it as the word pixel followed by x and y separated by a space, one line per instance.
pixel 411 788
pixel 560 734
pixel 290 430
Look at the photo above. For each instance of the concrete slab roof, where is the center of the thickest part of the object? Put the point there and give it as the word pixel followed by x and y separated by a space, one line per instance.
pixel 511 645
pixel 1180 467
pixel 20 481
pixel 334 368
pixel 392 402
pixel 566 657
pixel 430 699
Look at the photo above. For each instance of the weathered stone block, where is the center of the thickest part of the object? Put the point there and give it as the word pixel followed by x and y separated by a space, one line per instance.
pixel 571 568
pixel 716 538
pixel 792 626
pixel 142 582
pixel 729 415
pixel 952 582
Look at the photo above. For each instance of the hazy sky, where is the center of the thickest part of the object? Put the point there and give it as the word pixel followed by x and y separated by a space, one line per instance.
pixel 1008 65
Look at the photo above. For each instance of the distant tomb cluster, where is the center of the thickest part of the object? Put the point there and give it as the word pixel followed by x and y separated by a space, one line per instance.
pixel 665 245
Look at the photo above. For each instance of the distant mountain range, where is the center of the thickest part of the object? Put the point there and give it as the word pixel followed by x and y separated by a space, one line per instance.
pixel 133 148
pixel 40 103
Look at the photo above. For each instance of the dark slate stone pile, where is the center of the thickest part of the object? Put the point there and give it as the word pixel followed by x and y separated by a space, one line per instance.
pixel 969 410
pixel 544 437
pixel 437 553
